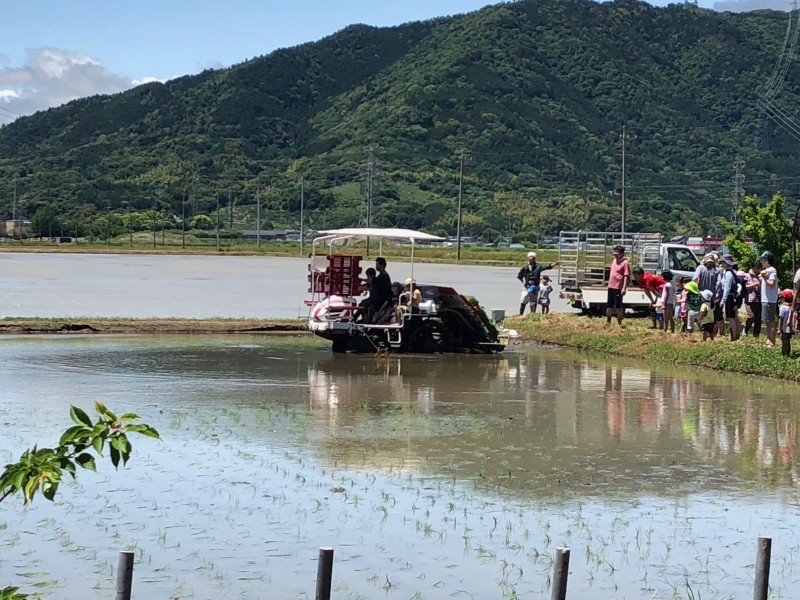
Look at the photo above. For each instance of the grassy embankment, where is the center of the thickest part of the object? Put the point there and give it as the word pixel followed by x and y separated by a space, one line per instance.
pixel 20 325
pixel 636 340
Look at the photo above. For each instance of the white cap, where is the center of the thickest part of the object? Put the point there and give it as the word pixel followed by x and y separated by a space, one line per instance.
pixel 531 254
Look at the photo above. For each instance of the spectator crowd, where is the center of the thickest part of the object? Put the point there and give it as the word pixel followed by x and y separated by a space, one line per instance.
pixel 712 300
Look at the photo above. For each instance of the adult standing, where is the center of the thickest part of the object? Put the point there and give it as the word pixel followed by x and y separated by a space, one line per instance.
pixel 652 286
pixel 708 277
pixel 530 276
pixel 796 287
pixel 619 277
pixel 729 287
pixel 769 295
pixel 705 276
pixel 752 290
pixel 381 293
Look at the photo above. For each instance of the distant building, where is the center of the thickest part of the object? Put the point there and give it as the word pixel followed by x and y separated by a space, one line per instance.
pixel 17 228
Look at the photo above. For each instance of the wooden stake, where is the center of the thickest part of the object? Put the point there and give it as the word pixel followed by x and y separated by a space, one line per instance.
pixel 124 576
pixel 763 554
pixel 560 574
pixel 324 573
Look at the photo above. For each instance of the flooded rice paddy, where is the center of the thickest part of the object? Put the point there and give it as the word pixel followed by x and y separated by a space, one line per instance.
pixel 432 477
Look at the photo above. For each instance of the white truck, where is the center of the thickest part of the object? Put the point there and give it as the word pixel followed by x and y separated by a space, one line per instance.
pixel 585 257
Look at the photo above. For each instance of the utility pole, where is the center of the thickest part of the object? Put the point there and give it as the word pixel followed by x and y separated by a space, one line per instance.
pixel 195 189
pixel 258 216
pixel 14 211
pixel 458 219
pixel 302 215
pixel 127 206
pixel 624 138
pixel 217 221
pixel 371 174
pixel 738 188
pixel 230 202
pixel 108 223
pixel 183 220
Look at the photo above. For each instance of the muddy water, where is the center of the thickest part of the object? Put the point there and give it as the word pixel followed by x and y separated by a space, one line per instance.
pixel 444 476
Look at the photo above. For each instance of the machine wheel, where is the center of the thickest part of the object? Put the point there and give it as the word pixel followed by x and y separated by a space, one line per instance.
pixel 340 344
pixel 429 337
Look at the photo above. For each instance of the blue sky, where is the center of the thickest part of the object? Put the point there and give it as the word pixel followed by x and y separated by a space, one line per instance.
pixel 52 51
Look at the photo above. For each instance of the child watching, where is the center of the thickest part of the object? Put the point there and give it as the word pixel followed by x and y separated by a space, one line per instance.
pixel 785 316
pixel 693 303
pixel 706 319
pixel 545 289
pixel 667 301
pixel 365 307
pixel 681 311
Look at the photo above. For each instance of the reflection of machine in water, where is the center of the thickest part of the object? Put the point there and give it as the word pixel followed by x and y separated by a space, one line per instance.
pixel 350 381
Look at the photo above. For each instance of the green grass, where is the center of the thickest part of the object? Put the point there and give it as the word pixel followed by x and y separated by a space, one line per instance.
pixel 746 356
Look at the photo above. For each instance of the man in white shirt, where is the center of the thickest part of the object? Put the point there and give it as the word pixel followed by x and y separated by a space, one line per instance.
pixel 769 295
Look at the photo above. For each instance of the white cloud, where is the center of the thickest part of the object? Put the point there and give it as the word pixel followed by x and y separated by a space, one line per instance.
pixel 144 80
pixel 51 77
pixel 746 5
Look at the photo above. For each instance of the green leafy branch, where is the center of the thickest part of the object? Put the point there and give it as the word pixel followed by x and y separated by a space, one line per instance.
pixel 44 468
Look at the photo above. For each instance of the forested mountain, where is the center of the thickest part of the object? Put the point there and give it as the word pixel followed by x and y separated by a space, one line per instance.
pixel 533 93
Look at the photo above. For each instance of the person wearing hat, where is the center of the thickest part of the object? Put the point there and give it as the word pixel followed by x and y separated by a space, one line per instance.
pixel 785 317
pixel 706 321
pixel 693 303
pixel 410 299
pixel 729 288
pixel 530 276
pixel 769 296
pixel 705 275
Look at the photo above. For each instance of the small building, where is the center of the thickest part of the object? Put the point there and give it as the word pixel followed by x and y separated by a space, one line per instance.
pixel 17 228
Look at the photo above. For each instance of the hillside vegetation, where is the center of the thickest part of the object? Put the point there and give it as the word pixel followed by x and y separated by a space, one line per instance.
pixel 533 93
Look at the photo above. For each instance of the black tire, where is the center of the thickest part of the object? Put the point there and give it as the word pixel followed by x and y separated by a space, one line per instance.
pixel 596 310
pixel 340 343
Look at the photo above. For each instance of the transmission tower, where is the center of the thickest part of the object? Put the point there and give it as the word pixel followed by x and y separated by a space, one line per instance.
pixel 738 188
pixel 370 184
pixel 768 109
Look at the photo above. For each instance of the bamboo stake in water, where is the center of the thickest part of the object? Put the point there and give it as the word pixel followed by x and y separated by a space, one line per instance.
pixel 324 573
pixel 764 552
pixel 560 574
pixel 124 576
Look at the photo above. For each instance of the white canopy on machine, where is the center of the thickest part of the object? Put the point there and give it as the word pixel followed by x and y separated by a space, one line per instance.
pixel 380 232
pixel 333 235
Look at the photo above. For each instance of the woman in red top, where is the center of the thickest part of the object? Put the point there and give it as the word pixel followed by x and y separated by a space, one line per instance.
pixel 651 285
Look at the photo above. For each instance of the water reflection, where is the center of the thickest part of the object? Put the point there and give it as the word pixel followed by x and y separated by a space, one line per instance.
pixel 436 474
pixel 578 426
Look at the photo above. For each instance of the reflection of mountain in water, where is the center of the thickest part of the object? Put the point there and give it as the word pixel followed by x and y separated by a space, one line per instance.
pixel 554 423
